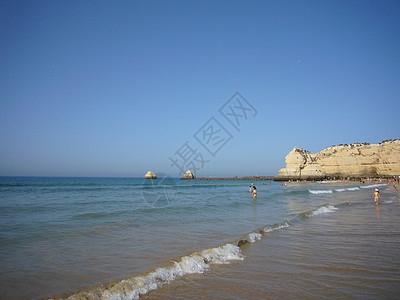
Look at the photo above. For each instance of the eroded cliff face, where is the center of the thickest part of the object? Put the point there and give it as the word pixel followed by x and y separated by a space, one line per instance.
pixel 353 160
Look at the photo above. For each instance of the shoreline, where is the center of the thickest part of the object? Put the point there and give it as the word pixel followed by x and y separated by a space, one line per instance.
pixel 297 179
pixel 212 236
pixel 349 226
pixel 235 178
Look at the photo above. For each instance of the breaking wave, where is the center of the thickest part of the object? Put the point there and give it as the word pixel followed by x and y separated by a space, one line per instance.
pixel 330 181
pixel 354 188
pixel 372 185
pixel 197 262
pixel 322 210
pixel 320 191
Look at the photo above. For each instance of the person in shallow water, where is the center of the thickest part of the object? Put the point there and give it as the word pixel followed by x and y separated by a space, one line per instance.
pixel 251 188
pixel 254 192
pixel 376 196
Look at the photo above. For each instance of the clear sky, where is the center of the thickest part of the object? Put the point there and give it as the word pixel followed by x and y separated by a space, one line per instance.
pixel 116 88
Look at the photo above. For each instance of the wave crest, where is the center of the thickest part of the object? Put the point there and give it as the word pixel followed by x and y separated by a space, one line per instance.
pixel 320 191
pixel 322 210
pixel 197 262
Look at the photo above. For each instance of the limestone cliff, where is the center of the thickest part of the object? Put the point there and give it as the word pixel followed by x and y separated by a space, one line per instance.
pixel 354 160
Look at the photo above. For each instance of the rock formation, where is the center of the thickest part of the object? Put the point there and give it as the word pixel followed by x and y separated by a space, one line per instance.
pixel 188 175
pixel 354 160
pixel 150 175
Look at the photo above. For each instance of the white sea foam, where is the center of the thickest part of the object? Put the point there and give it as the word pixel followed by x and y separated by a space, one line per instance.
pixel 336 190
pixel 320 191
pixel 198 262
pixel 329 181
pixel 322 210
pixel 372 185
pixel 353 188
pixel 254 236
pixel 223 254
pixel 273 228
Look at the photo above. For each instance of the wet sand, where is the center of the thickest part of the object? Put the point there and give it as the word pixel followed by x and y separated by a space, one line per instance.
pixel 349 254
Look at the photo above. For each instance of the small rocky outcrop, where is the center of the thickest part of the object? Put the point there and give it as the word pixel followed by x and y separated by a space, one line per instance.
pixel 188 175
pixel 349 160
pixel 150 175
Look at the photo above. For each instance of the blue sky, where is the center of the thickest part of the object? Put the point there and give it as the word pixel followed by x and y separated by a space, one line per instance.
pixel 115 88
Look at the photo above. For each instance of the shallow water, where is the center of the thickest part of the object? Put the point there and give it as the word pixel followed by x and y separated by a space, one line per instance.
pixel 62 236
pixel 351 253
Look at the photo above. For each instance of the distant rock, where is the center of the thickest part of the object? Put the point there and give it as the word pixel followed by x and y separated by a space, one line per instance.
pixel 150 175
pixel 349 160
pixel 188 175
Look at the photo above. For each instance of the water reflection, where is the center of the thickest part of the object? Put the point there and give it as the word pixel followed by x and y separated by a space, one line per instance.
pixel 378 213
pixel 254 207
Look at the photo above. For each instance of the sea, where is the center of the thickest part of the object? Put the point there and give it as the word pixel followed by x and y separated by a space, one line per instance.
pixel 166 238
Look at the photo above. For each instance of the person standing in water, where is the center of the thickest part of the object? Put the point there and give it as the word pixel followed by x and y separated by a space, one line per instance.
pixel 254 192
pixel 376 196
pixel 251 188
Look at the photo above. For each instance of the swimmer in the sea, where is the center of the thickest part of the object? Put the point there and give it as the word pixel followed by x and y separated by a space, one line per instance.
pixel 254 192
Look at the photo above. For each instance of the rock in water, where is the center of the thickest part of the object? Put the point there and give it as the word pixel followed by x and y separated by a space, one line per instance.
pixel 188 175
pixel 350 160
pixel 150 175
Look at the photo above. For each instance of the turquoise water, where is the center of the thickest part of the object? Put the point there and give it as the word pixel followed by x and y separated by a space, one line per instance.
pixel 65 236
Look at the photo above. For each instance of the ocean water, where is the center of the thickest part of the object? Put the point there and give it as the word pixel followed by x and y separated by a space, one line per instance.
pixel 125 238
